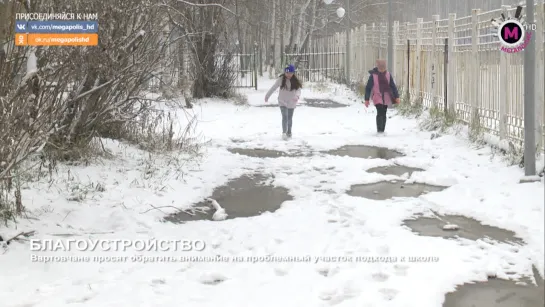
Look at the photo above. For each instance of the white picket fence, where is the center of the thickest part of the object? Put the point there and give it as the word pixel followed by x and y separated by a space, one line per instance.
pixel 482 81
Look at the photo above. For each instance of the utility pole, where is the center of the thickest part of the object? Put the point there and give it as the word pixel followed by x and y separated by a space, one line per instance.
pixel 347 65
pixel 390 38
pixel 529 98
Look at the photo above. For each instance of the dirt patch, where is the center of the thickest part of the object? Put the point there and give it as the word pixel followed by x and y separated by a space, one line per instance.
pixel 263 153
pixel 390 189
pixel 322 103
pixel 396 170
pixel 457 226
pixel 245 196
pixel 365 152
pixel 497 293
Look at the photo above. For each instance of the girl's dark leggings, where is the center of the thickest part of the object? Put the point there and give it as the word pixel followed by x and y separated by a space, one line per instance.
pixel 381 117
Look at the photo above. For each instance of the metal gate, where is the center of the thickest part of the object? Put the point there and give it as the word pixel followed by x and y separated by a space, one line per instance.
pixel 245 68
pixel 318 66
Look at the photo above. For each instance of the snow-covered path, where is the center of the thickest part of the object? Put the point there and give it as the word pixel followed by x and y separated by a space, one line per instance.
pixel 316 224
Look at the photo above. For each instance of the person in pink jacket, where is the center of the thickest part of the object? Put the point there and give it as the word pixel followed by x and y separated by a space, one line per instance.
pixel 382 89
pixel 288 96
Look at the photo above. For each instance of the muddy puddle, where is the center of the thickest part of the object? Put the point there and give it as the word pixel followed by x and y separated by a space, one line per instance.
pixel 457 226
pixel 264 153
pixel 498 293
pixel 365 152
pixel 391 189
pixel 245 196
pixel 322 103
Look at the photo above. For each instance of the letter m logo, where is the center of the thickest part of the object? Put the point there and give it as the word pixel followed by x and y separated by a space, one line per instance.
pixel 510 33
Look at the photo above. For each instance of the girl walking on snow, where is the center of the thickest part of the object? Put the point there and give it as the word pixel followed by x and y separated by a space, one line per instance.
pixel 288 96
pixel 382 89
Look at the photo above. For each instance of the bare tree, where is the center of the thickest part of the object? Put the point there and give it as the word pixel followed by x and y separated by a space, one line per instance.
pixel 203 28
pixel 55 100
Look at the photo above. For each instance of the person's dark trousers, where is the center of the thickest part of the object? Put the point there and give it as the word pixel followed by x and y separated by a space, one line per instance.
pixel 287 118
pixel 381 117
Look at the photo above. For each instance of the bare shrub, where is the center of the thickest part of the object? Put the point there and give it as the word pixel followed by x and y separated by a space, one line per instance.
pixel 56 100
pixel 410 107
pixel 239 98
pixel 109 87
pixel 28 113
pixel 219 79
pixel 437 119
pixel 156 131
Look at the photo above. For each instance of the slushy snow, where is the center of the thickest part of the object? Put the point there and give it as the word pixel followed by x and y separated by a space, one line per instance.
pixel 321 224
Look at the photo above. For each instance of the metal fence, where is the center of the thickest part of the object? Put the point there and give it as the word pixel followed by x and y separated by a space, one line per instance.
pixel 454 63
pixel 323 61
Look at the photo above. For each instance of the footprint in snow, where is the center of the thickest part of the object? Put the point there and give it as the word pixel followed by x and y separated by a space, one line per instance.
pixel 158 281
pixel 328 271
pixel 79 300
pixel 215 244
pixel 383 250
pixel 338 295
pixel 212 278
pixel 401 270
pixel 282 270
pixel 184 267
pixel 323 272
pixel 380 277
pixel 388 294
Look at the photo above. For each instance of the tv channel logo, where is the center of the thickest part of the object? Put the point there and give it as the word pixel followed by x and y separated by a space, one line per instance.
pixel 513 34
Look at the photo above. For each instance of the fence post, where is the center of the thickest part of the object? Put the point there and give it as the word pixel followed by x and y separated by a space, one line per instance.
pixel 418 86
pixel 540 99
pixel 504 86
pixel 373 39
pixel 408 68
pixel 475 66
pixel 451 80
pixel 445 78
pixel 255 66
pixel 377 38
pixel 433 62
pixel 407 56
pixel 353 58
pixel 354 55
pixel 396 66
pixel 339 42
pixel 326 47
pixel 364 50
